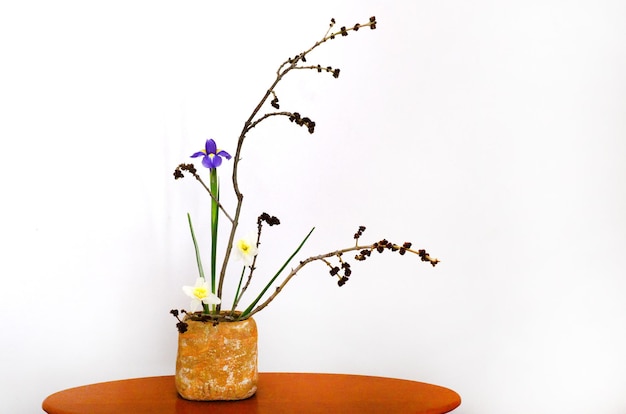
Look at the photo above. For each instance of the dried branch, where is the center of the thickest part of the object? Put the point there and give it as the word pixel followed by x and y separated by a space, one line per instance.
pixel 364 252
pixel 250 123
pixel 272 221
pixel 178 173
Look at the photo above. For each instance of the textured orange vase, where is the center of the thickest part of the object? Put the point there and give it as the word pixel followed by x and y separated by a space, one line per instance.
pixel 217 361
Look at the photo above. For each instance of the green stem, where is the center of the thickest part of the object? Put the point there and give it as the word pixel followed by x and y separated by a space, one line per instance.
pixel 214 186
pixel 236 300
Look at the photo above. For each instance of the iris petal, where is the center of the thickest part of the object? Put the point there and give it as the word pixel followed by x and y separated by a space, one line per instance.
pixel 210 146
pixel 206 161
pixel 224 154
pixel 211 155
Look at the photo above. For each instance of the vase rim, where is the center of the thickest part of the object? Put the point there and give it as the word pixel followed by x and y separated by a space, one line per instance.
pixel 224 316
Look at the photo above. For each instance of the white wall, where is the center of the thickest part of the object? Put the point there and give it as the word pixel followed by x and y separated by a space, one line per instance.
pixel 491 133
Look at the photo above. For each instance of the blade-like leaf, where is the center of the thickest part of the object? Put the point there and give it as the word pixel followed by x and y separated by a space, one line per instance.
pixel 258 298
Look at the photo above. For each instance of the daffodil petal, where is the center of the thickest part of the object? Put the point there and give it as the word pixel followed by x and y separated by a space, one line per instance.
pixel 188 290
pixel 194 305
pixel 211 299
pixel 245 249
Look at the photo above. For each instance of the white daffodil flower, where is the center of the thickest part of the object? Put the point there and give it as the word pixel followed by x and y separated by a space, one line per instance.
pixel 245 249
pixel 201 293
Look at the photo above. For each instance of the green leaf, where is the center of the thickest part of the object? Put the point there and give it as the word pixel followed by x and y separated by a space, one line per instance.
pixel 253 304
pixel 195 245
pixel 198 259
pixel 236 300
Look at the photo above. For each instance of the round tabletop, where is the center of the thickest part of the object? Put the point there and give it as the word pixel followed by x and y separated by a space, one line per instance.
pixel 277 393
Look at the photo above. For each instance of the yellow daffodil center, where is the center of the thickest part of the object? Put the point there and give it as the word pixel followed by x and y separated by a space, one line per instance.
pixel 200 292
pixel 244 246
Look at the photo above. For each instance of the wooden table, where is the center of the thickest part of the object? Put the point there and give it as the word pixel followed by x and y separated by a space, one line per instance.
pixel 277 393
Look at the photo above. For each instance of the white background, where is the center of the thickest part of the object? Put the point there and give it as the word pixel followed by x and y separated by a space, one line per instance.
pixel 493 134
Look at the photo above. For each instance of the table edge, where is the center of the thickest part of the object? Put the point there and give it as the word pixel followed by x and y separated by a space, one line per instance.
pixel 271 373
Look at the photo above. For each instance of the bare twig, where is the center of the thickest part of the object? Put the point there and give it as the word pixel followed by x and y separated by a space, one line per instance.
pixel 338 253
pixel 192 170
pixel 272 221
pixel 250 123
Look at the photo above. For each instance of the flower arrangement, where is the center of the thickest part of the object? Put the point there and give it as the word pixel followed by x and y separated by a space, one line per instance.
pixel 207 291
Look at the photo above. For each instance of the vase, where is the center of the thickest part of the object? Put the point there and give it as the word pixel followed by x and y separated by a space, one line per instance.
pixel 217 360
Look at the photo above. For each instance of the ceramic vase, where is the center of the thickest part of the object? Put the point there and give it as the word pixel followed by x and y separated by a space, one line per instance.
pixel 217 360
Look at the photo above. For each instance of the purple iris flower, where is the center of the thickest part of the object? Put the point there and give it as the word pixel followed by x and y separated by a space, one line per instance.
pixel 211 156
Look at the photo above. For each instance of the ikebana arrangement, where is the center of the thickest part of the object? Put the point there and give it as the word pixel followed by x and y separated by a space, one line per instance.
pixel 206 371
